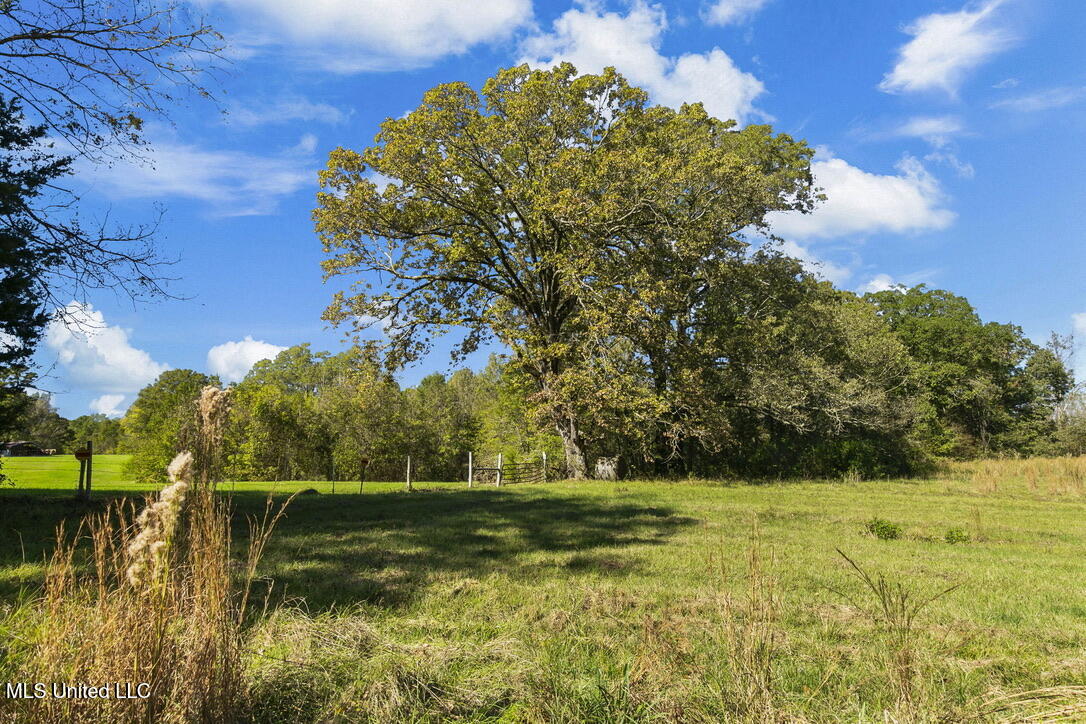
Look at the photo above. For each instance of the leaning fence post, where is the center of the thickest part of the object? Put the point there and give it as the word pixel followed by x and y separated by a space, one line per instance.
pixel 409 472
pixel 90 462
pixel 498 479
pixel 470 471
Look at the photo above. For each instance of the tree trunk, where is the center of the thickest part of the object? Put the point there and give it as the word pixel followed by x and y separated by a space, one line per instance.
pixel 576 459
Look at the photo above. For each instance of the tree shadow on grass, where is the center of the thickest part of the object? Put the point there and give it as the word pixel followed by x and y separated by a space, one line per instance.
pixel 385 549
pixel 28 533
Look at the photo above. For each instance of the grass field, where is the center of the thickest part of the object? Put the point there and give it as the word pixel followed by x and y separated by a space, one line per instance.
pixel 655 601
pixel 60 472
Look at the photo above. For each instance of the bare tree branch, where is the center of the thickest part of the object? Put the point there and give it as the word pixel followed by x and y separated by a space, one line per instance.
pixel 92 72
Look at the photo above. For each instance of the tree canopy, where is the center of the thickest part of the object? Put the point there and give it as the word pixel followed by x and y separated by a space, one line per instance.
pixel 541 210
pixel 987 387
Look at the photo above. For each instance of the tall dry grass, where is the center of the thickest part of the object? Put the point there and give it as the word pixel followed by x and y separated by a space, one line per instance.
pixel 896 608
pixel 752 638
pixel 145 598
pixel 1052 476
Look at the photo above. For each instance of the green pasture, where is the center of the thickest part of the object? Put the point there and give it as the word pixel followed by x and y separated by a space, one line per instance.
pixel 595 601
pixel 60 472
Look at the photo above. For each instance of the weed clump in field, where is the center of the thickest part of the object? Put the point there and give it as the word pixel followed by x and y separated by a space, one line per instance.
pixel 896 609
pixel 883 529
pixel 956 535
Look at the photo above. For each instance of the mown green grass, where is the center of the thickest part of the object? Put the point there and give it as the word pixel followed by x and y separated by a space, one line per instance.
pixel 627 601
pixel 60 472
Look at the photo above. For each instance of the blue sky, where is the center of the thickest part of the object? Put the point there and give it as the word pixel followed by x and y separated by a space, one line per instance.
pixel 949 140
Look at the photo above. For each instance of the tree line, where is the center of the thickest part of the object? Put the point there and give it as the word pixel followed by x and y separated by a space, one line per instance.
pixel 901 378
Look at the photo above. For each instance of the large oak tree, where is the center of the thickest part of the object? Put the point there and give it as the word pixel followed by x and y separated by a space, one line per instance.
pixel 507 213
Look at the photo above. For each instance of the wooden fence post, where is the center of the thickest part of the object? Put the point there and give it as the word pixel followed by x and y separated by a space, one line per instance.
pixel 82 473
pixel 544 466
pixel 498 479
pixel 470 471
pixel 90 462
pixel 409 473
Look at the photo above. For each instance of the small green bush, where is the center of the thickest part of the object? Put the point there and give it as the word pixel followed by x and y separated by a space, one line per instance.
pixel 883 529
pixel 956 535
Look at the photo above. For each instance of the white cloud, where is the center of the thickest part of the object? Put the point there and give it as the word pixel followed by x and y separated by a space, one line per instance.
pixel 1078 324
pixel 1043 100
pixel 283 110
pixel 945 47
pixel 307 144
pixel 878 283
pixel 725 12
pixel 1078 329
pixel 592 40
pixel 98 357
pixel 836 273
pixel 936 130
pixel 357 35
pixel 231 183
pixel 964 169
pixel 884 282
pixel 1007 83
pixel 231 361
pixel 108 405
pixel 381 181
pixel 859 202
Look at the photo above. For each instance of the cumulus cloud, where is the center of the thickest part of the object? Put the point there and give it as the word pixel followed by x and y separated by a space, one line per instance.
pixel 1043 100
pixel 859 202
pixel 283 110
pixel 351 36
pixel 230 183
pixel 945 47
pixel 878 283
pixel 99 357
pixel 836 273
pixel 231 361
pixel 108 405
pixel 592 39
pixel 726 12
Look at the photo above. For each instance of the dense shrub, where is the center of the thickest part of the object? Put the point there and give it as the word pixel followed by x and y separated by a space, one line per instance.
pixel 883 529
pixel 956 535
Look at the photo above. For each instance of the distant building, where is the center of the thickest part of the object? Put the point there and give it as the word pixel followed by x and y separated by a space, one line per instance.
pixel 20 449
